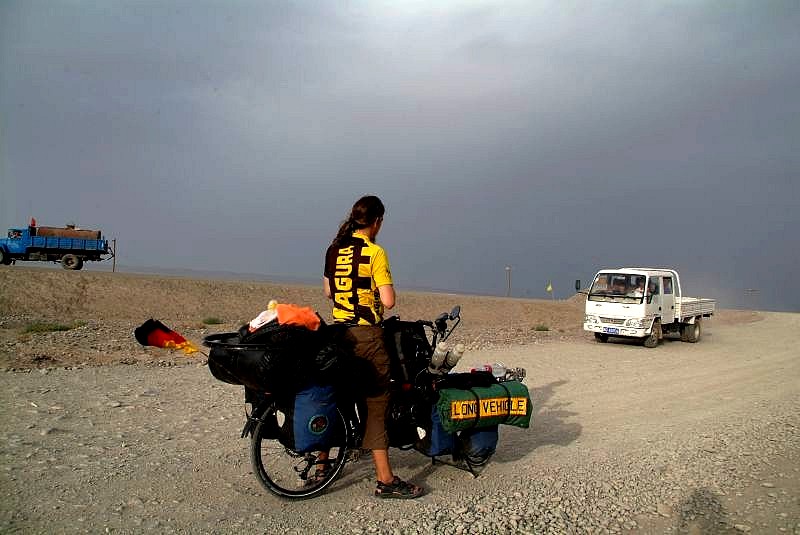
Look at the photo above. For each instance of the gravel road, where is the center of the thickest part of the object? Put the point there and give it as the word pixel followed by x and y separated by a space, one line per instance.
pixel 684 438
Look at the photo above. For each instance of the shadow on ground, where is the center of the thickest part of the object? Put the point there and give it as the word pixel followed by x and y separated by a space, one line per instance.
pixel 703 513
pixel 549 425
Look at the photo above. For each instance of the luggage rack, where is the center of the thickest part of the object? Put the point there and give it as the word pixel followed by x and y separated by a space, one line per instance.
pixel 230 341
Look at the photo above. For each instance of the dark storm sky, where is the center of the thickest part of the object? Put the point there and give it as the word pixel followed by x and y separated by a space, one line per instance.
pixel 556 137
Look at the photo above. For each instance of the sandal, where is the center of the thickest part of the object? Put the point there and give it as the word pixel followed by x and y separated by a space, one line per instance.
pixel 320 475
pixel 398 489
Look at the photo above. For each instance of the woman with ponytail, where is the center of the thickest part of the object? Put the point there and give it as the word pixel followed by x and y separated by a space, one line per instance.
pixel 358 280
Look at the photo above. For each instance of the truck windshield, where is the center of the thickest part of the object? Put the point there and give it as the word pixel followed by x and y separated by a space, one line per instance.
pixel 618 288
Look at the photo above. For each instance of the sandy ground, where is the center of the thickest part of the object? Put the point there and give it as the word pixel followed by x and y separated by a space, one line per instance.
pixel 105 308
pixel 101 435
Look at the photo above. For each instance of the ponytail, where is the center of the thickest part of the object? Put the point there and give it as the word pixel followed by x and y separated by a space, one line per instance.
pixel 345 230
pixel 364 213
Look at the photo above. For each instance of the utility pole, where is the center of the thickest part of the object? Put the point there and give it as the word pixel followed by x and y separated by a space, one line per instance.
pixel 508 280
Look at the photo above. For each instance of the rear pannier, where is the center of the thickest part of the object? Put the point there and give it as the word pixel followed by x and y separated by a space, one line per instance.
pixel 309 419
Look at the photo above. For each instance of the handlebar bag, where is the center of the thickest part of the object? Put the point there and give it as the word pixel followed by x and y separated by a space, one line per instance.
pixel 507 403
pixel 309 419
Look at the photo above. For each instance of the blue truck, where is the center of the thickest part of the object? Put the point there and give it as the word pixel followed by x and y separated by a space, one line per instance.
pixel 69 245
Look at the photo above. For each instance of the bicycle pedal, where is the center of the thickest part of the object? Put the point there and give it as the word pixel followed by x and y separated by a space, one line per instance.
pixel 355 455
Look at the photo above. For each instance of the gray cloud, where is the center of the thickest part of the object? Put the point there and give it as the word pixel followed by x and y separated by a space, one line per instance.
pixel 558 137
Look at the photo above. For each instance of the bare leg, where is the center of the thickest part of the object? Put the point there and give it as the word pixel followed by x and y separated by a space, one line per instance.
pixel 382 468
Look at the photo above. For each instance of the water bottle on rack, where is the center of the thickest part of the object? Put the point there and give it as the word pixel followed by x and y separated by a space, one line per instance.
pixel 438 358
pixel 454 356
pixel 499 371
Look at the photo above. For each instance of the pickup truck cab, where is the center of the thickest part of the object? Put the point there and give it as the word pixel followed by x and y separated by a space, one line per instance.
pixel 643 303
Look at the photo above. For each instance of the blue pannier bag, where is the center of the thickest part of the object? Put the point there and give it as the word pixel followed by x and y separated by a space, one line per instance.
pixel 437 441
pixel 310 422
pixel 478 445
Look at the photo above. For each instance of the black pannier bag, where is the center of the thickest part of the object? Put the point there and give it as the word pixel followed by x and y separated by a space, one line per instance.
pixel 402 421
pixel 278 359
pixel 408 348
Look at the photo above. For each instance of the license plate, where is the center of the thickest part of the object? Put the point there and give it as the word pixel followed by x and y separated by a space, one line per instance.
pixel 610 330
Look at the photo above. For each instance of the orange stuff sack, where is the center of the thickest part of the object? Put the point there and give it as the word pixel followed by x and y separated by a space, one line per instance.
pixel 298 316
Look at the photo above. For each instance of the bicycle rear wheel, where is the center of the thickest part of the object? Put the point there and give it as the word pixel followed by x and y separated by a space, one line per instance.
pixel 291 474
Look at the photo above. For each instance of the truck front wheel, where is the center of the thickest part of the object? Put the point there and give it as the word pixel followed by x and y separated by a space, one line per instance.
pixel 690 332
pixel 4 258
pixel 655 335
pixel 601 337
pixel 70 261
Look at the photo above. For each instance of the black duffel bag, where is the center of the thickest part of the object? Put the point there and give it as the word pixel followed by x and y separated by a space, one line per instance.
pixel 277 358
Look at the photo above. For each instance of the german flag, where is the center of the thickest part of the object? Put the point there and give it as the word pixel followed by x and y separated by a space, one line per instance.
pixel 156 334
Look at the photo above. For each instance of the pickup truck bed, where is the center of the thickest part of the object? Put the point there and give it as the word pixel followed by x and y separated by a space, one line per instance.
pixel 694 306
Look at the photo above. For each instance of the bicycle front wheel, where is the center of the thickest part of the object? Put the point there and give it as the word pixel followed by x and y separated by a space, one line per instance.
pixel 291 474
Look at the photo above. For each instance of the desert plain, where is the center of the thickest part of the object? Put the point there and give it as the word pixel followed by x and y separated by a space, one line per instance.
pixel 102 435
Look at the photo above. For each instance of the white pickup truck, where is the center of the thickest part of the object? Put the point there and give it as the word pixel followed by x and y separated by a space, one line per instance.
pixel 643 303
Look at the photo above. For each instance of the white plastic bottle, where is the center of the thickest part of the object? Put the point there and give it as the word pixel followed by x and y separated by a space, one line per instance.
pixel 499 370
pixel 454 356
pixel 438 358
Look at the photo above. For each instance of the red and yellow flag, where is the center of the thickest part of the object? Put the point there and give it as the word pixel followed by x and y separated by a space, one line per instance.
pixel 154 333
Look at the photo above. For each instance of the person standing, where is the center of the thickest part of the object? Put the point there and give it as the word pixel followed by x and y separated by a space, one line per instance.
pixel 358 280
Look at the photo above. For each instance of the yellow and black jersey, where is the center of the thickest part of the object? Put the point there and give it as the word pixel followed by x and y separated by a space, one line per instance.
pixel 355 269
